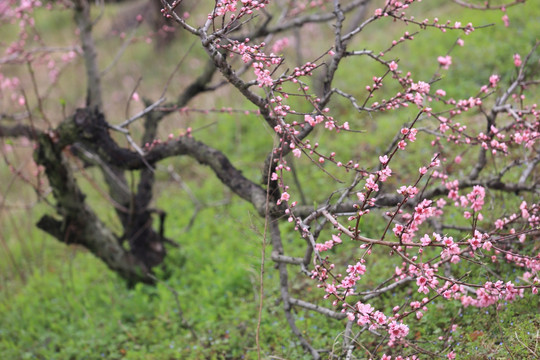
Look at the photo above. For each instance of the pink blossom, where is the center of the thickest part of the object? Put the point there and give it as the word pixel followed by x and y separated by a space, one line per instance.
pixel 517 60
pixel 440 92
pixel 524 212
pixel 421 87
pixel 422 285
pixel 506 20
pixel 398 229
pixel 412 135
pixel 397 330
pixel 284 197
pixel 280 44
pixel 475 241
pixel 393 66
pixel 445 61
pixel 425 240
pixel 380 318
pixel 324 247
pixel 476 197
pixel 330 289
pixel 441 203
pixel 409 191
pixel 309 119
pixel 263 75
pixel 493 80
pixel 371 184
pixel 364 309
pixel 384 174
pixel 402 144
pixel 448 241
pixel 330 125
pixel 357 269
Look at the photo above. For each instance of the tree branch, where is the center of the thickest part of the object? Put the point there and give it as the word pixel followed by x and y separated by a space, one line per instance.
pixel 93 78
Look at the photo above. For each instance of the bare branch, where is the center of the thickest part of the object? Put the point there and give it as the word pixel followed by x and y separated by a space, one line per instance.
pixel 317 308
pixel 93 77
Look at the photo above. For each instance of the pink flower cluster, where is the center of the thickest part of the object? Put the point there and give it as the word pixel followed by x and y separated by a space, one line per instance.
pixel 354 273
pixel 328 244
pixel 365 314
pixel 491 293
pixel 263 75
pixel 231 6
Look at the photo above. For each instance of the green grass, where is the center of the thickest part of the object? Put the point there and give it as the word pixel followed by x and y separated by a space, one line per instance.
pixel 73 307
pixel 59 302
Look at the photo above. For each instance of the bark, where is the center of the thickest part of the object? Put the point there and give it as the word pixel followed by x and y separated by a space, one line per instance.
pixel 84 23
pixel 78 223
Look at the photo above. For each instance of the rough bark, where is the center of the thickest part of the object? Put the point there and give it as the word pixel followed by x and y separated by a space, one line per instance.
pixel 78 223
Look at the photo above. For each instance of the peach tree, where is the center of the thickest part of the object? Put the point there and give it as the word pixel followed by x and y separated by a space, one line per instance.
pixel 450 198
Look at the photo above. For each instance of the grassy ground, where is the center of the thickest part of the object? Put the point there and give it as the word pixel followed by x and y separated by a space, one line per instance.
pixel 59 302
